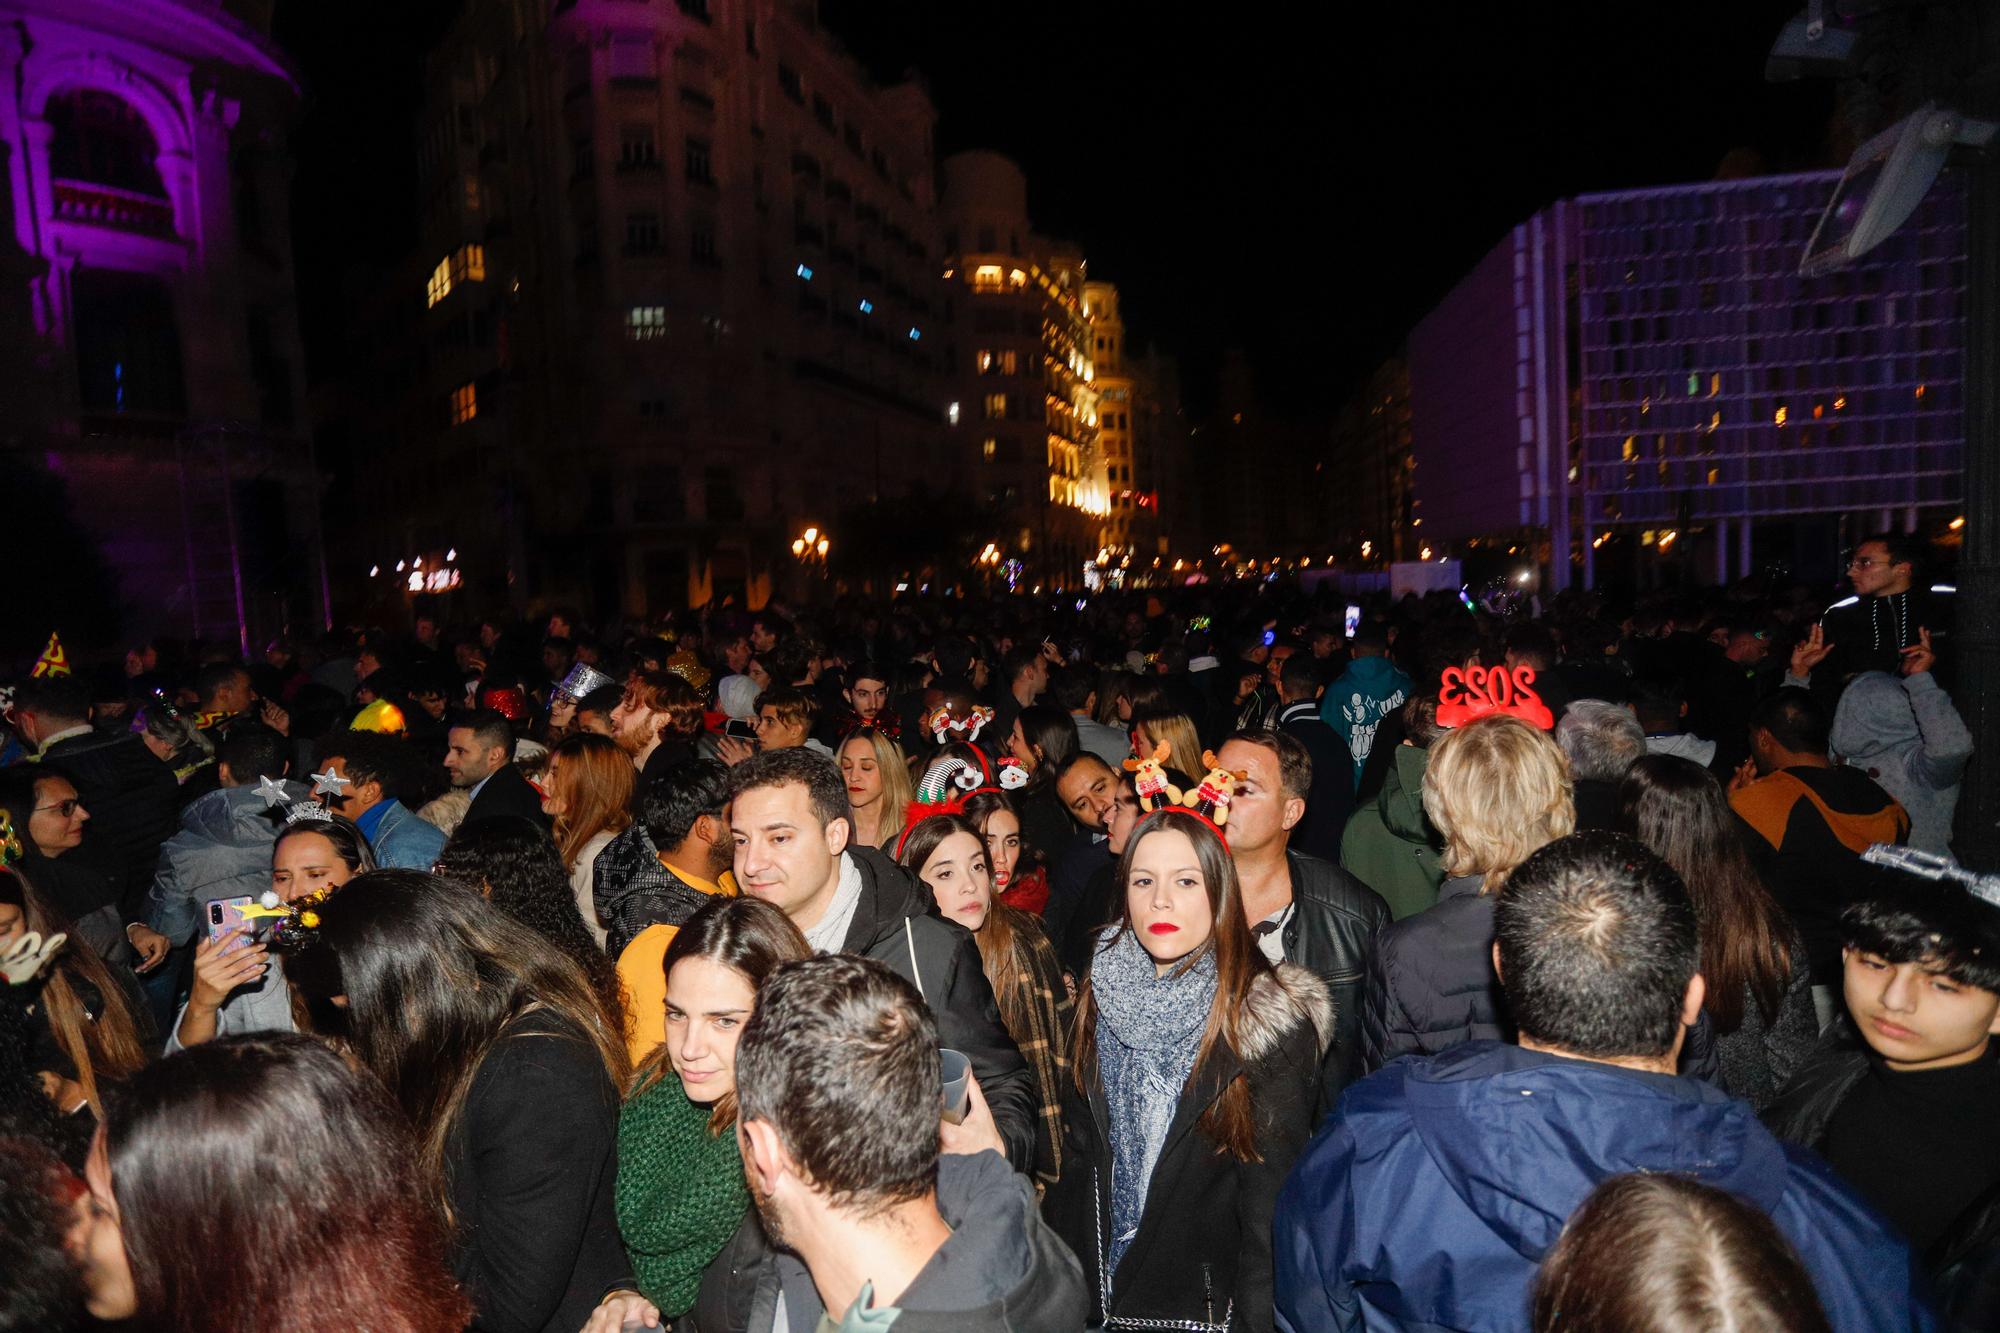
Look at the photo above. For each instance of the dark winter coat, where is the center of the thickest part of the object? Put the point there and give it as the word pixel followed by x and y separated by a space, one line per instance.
pixel 1432 1196
pixel 507 793
pixel 1330 800
pixel 1202 1257
pixel 1431 985
pixel 632 889
pixel 1331 934
pixel 132 798
pixel 895 923
pixel 1001 1271
pixel 532 1163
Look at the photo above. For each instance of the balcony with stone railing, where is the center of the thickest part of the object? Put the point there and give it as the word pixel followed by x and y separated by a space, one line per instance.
pixel 109 206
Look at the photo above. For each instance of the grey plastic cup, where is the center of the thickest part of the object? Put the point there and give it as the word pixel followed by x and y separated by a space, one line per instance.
pixel 955 1071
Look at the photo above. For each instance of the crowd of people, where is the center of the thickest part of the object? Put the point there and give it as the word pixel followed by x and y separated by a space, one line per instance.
pixel 1215 958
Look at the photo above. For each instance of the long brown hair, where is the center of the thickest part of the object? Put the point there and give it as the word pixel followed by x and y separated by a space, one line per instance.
pixel 748 936
pixel 270 1151
pixel 434 976
pixel 995 936
pixel 1656 1253
pixel 108 1048
pixel 594 782
pixel 1230 1122
pixel 1677 808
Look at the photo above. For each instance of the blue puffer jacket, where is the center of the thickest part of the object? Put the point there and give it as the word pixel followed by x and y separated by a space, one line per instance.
pixel 1430 1197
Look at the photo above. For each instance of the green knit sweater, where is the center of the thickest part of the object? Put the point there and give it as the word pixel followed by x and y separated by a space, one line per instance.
pixel 681 1194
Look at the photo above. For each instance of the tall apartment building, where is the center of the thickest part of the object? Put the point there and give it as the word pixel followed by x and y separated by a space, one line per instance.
pixel 1028 402
pixel 1642 373
pixel 680 301
pixel 1368 482
pixel 149 340
pixel 1127 432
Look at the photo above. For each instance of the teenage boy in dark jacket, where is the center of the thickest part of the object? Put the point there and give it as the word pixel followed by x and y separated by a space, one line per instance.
pixel 1431 1196
pixel 1902 1097
pixel 791 823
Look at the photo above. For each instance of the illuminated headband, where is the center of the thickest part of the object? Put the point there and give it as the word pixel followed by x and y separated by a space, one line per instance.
pixel 10 841
pixel 1468 693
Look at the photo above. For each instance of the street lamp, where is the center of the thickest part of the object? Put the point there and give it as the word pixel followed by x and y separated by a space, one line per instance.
pixel 810 547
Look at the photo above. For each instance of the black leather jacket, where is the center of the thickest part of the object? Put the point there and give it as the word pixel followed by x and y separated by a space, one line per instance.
pixel 1332 935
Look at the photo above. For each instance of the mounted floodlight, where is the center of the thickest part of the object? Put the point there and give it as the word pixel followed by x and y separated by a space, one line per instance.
pixel 1807 47
pixel 1884 182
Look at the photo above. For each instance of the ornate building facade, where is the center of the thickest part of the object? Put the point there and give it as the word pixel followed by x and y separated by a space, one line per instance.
pixel 148 336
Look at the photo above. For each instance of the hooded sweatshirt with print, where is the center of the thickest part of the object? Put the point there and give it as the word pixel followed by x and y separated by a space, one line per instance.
pixel 1355 704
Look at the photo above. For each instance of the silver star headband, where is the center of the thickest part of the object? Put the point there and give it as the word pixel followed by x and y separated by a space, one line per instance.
pixel 330 783
pixel 1932 865
pixel 273 791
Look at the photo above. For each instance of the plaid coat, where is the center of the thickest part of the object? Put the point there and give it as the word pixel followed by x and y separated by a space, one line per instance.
pixel 1038 1014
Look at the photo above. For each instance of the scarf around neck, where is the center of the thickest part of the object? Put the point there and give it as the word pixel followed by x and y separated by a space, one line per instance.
pixel 1148 1030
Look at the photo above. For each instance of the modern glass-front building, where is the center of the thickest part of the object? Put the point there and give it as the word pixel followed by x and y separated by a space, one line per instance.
pixel 1640 376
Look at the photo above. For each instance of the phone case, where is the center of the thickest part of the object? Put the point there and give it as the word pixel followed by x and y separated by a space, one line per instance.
pixel 223 913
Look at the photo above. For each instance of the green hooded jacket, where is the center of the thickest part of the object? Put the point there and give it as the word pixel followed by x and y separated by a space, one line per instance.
pixel 1390 844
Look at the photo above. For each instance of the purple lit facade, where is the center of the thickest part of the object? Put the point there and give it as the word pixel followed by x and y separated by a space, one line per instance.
pixel 1650 363
pixel 148 337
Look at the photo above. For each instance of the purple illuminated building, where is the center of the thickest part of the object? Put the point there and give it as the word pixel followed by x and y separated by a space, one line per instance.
pixel 1641 381
pixel 148 341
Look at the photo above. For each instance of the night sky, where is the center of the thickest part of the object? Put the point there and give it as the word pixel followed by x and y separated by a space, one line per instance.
pixel 1303 184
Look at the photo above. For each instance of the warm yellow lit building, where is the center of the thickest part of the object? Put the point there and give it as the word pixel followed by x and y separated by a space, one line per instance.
pixel 1029 409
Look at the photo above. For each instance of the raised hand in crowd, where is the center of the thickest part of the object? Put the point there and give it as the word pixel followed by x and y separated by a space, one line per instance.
pixel 1919 657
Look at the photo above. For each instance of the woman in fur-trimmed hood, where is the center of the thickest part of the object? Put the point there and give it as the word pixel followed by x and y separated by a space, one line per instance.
pixel 1196 1071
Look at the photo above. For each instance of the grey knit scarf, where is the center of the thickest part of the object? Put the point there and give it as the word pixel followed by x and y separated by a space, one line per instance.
pixel 1148 1029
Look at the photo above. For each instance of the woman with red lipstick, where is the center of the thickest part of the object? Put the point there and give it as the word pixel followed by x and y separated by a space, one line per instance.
pixel 1017 881
pixel 680 1177
pixel 1196 1073
pixel 878 787
pixel 948 854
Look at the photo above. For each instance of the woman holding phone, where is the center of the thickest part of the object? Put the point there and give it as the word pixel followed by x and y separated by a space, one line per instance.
pixel 948 854
pixel 238 987
pixel 1195 1076
pixel 680 1177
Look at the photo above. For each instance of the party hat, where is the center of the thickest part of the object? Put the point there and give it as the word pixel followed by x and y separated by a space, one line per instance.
pixel 583 678
pixel 53 661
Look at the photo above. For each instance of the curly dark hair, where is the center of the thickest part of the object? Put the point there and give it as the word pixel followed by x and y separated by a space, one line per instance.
pixel 516 866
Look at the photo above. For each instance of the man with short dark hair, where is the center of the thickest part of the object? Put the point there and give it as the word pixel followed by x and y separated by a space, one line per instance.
pixel 1300 909
pixel 867 697
pixel 479 756
pixel 227 693
pixel 785 716
pixel 670 860
pixel 768 629
pixel 370 769
pixel 1331 800
pixel 793 827
pixel 1076 694
pixel 1024 674
pixel 1811 819
pixel 1088 788
pixel 1433 1193
pixel 1871 630
pixel 858 1220
pixel 223 847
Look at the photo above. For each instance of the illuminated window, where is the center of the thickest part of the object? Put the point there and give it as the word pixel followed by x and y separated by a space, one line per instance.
pixel 996 407
pixel 985 360
pixel 1017 278
pixel 465 264
pixel 951 413
pixel 989 447
pixel 464 404
pixel 986 278
pixel 439 286
pixel 1631 448
pixel 643 323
